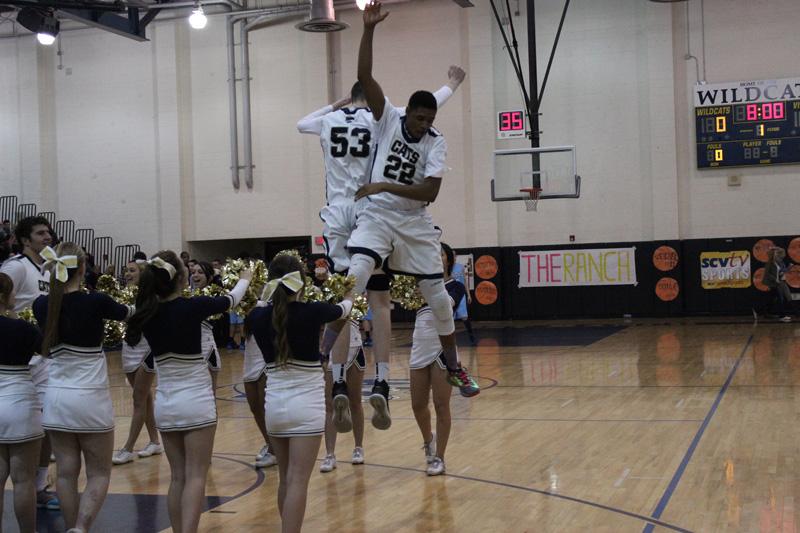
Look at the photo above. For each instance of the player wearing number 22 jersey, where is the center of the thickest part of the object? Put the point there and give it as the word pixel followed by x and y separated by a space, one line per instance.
pixel 346 136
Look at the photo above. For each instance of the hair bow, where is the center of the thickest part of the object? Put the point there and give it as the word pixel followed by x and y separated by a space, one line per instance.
pixel 61 263
pixel 160 263
pixel 292 281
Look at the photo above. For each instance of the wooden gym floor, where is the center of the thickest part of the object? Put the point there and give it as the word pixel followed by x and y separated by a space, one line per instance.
pixel 652 425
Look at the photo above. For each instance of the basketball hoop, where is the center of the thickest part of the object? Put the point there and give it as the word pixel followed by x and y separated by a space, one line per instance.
pixel 532 202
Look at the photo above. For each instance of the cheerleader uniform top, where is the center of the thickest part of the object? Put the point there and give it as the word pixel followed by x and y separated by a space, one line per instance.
pixel 176 328
pixel 78 357
pixel 21 341
pixel 303 323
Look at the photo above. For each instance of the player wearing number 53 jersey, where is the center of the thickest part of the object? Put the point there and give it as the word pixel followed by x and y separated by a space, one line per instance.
pixel 345 129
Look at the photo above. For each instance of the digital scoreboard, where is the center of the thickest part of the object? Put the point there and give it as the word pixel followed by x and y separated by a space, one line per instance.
pixel 748 123
pixel 510 124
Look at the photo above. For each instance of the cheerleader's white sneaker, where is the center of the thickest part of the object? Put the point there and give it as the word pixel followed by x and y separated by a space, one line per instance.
pixel 436 468
pixel 328 464
pixel 358 455
pixel 122 456
pixel 151 449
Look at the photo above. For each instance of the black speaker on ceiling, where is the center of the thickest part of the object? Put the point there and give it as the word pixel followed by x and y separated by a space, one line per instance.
pixel 38 20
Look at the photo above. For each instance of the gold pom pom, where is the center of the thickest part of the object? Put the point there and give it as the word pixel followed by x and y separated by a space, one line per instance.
pixel 294 253
pixel 27 315
pixel 360 308
pixel 232 271
pixel 336 287
pixel 312 293
pixel 404 291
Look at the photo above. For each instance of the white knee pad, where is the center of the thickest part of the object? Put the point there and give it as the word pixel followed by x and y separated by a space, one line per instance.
pixel 361 267
pixel 440 303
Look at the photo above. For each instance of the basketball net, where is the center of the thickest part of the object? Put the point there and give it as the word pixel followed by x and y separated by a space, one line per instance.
pixel 532 202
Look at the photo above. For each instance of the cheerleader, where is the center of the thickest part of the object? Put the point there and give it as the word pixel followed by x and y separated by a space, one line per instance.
pixel 202 275
pixel 139 368
pixel 185 410
pixel 77 403
pixel 255 382
pixel 20 411
pixel 354 370
pixel 429 374
pixel 287 332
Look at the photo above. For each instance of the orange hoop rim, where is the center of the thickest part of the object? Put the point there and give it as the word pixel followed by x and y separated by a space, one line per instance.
pixel 533 191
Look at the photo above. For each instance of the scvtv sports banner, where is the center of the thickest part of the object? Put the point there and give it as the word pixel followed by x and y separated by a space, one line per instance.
pixel 570 268
pixel 725 270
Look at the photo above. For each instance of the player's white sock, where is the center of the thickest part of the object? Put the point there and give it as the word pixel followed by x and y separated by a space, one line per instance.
pixel 41 478
pixel 338 372
pixel 382 371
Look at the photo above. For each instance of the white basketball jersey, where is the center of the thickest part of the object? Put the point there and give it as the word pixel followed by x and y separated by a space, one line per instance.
pixel 403 160
pixel 346 139
pixel 29 280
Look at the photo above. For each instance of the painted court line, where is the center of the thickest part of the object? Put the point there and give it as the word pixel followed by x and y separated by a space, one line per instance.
pixel 676 478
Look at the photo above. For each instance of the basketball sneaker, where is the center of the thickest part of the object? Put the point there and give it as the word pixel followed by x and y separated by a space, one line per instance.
pixel 436 468
pixel 341 408
pixel 379 400
pixel 461 379
pixel 328 464
pixel 430 449
pixel 358 455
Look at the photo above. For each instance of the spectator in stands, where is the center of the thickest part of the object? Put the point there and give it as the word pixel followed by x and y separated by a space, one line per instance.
pixel 774 278
pixel 185 258
pixel 216 264
pixel 5 230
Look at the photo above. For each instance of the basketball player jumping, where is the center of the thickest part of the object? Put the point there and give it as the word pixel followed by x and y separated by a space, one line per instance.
pixel 346 134
pixel 394 230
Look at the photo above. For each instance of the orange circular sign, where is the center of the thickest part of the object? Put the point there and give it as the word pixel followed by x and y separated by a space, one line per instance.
pixel 667 289
pixel 761 249
pixel 793 277
pixel 665 258
pixel 486 293
pixel 486 267
pixel 794 250
pixel 758 280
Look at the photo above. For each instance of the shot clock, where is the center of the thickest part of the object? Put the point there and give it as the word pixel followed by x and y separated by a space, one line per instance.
pixel 753 123
pixel 510 124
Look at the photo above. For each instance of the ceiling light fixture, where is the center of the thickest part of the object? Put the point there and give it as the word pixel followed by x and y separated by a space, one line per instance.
pixel 42 22
pixel 198 19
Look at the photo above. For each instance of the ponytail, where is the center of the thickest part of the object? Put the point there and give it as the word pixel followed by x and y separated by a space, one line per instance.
pixel 56 294
pixel 281 265
pixel 154 284
pixel 280 324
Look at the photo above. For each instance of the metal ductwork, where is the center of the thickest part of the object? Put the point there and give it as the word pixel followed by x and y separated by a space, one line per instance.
pixel 323 18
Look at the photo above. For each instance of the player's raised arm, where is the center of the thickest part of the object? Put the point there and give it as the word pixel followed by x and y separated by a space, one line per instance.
pixel 372 91
pixel 455 75
pixel 312 123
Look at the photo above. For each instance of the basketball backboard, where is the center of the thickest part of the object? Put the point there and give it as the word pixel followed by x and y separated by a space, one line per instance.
pixel 552 169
